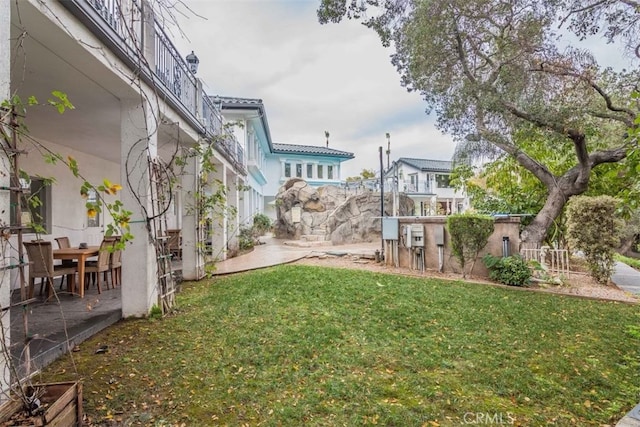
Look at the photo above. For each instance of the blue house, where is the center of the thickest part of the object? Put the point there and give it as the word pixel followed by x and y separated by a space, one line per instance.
pixel 270 165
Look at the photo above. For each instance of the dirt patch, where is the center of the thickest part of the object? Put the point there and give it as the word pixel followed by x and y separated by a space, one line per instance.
pixel 579 283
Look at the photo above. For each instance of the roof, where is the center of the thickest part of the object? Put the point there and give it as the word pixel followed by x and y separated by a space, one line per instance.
pixel 428 164
pixel 313 150
pixel 230 101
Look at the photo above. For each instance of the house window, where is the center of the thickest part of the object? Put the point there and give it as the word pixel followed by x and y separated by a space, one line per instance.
pixel 414 181
pixel 35 204
pixel 320 172
pixel 309 171
pixel 92 197
pixel 442 181
pixel 299 170
pixel 287 170
pixel 330 172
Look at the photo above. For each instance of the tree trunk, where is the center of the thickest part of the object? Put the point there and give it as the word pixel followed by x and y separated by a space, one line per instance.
pixel 533 234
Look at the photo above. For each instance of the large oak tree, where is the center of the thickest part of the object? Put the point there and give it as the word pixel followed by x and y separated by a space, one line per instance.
pixel 491 69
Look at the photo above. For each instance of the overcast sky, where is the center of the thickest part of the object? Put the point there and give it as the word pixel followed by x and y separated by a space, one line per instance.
pixel 311 78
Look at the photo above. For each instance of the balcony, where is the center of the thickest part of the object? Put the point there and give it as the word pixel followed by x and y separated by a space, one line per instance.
pixel 131 31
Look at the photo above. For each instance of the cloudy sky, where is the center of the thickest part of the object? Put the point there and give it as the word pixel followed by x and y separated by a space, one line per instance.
pixel 311 78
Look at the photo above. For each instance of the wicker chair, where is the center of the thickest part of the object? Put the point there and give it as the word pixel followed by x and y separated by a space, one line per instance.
pixel 40 254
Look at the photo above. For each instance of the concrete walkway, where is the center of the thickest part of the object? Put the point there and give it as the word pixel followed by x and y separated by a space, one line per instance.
pixel 277 251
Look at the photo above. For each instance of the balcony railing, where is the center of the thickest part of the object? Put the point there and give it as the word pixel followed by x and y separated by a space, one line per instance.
pixel 122 23
pixel 224 140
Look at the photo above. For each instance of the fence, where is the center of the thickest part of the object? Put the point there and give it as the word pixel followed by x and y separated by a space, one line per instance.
pixel 554 261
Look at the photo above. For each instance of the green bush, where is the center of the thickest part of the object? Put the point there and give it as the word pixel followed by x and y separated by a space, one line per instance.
pixel 261 224
pixel 511 270
pixel 593 228
pixel 245 238
pixel 469 234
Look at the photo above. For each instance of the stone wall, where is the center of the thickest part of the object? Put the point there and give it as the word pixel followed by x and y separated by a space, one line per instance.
pixel 331 213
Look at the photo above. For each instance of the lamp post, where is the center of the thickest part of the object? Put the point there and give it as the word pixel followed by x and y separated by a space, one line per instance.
pixel 388 147
pixel 193 62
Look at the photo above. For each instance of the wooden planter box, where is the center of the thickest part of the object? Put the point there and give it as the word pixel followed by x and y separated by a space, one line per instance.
pixel 62 403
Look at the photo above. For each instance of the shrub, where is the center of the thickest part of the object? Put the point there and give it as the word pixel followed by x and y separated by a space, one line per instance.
pixel 469 234
pixel 245 238
pixel 511 270
pixel 593 228
pixel 261 224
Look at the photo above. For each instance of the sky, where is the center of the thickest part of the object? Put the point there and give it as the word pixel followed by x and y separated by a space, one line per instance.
pixel 311 78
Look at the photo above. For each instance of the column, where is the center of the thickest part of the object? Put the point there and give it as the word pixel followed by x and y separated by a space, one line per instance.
pixel 139 267
pixel 192 257
pixel 233 206
pixel 5 276
pixel 219 219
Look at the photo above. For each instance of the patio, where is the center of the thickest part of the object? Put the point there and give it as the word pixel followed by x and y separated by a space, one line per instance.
pixel 59 324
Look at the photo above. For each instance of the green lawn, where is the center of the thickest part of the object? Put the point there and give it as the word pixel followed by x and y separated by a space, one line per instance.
pixel 299 345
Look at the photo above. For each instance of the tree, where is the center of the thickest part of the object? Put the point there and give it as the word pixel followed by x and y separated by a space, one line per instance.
pixel 364 174
pixel 491 69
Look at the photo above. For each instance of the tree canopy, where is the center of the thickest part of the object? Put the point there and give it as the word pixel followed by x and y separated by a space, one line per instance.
pixel 492 70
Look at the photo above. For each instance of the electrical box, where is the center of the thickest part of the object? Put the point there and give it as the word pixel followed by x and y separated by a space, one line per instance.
pixel 416 236
pixel 390 228
pixel 438 235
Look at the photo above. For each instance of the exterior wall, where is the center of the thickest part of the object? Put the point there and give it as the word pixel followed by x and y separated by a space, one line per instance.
pixel 509 227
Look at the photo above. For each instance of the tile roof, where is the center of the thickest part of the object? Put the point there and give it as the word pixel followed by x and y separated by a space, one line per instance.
pixel 310 150
pixel 427 164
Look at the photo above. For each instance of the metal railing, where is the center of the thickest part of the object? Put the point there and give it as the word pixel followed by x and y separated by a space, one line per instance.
pixel 223 139
pixel 172 70
pixel 126 19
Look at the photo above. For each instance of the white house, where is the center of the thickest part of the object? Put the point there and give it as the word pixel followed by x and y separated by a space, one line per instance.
pixel 426 182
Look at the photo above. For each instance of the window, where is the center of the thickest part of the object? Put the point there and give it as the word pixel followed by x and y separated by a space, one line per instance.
pixel 309 171
pixel 330 172
pixel 442 181
pixel 299 170
pixel 320 172
pixel 35 204
pixel 287 170
pixel 92 197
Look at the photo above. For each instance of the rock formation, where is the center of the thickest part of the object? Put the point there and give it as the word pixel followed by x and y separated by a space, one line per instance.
pixel 332 213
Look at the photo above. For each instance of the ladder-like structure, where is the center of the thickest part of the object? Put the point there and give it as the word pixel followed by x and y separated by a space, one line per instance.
pixel 161 196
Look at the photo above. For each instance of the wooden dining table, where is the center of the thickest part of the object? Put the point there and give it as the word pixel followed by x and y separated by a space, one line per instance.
pixel 81 255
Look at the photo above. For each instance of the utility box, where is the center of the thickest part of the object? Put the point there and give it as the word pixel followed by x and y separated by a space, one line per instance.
pixel 417 235
pixel 438 235
pixel 390 228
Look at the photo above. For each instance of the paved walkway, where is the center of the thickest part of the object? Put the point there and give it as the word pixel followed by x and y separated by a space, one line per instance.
pixel 277 251
pixel 628 278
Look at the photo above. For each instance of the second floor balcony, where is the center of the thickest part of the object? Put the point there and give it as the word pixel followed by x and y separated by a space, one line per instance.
pixel 133 32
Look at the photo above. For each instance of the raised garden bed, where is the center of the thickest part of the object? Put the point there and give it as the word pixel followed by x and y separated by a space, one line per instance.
pixel 60 405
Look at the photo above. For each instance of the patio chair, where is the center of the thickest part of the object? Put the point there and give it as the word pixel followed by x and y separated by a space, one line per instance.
pixel 174 243
pixel 63 243
pixel 92 269
pixel 40 254
pixel 115 265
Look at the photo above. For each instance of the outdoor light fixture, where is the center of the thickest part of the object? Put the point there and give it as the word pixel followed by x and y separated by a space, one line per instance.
pixel 193 62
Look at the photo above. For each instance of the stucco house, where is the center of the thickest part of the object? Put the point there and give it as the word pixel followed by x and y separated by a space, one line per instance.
pixel 426 181
pixel 138 108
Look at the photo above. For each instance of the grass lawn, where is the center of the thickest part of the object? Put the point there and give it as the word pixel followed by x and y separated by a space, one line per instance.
pixel 301 345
